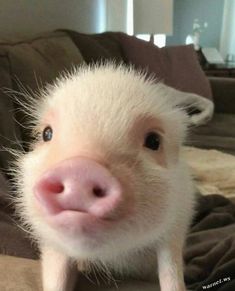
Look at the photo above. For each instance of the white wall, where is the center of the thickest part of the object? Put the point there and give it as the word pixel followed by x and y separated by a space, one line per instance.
pixel 185 11
pixel 153 16
pixel 116 15
pixel 26 17
pixel 227 43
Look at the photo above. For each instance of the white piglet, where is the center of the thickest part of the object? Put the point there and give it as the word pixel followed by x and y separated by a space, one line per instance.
pixel 104 183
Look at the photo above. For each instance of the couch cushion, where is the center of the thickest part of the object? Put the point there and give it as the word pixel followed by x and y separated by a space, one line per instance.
pixel 13 239
pixel 217 134
pixel 31 63
pixel 41 59
pixel 223 90
pixel 19 274
pixel 9 132
pixel 98 47
pixel 175 66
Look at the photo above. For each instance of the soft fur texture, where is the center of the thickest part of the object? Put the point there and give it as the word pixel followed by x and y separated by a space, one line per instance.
pixel 213 171
pixel 104 113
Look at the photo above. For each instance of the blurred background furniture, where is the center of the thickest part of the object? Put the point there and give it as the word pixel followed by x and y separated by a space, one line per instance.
pixel 31 63
pixel 226 70
pixel 30 57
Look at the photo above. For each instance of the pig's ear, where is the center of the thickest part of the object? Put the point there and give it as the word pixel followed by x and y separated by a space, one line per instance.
pixel 199 109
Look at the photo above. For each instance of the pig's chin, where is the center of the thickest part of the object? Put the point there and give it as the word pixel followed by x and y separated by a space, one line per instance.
pixel 79 234
pixel 74 223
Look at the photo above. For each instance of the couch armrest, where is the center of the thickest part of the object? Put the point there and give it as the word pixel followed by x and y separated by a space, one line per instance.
pixel 223 90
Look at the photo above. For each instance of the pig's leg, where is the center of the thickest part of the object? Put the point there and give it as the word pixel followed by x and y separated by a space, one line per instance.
pixel 170 266
pixel 58 271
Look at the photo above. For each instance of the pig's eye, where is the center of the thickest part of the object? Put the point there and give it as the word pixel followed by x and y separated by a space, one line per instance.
pixel 47 133
pixel 152 141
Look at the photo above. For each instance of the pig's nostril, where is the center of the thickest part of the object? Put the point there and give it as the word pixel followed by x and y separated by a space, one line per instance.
pixel 99 192
pixel 55 188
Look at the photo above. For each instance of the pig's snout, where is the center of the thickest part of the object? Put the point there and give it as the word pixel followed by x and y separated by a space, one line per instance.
pixel 79 185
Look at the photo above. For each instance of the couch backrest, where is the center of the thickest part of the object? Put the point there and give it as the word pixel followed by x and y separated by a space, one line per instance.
pixel 176 66
pixel 98 47
pixel 31 63
pixel 34 62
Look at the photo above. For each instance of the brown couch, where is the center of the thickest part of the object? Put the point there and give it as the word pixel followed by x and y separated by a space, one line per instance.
pixel 219 132
pixel 177 67
pixel 32 63
pixel 27 65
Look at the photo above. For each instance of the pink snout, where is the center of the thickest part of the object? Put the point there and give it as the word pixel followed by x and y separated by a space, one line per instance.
pixel 79 185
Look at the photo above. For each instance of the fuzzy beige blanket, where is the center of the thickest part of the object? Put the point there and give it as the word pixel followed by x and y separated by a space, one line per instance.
pixel 19 274
pixel 213 171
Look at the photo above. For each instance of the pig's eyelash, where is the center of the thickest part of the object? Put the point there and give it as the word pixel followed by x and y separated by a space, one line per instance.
pixel 37 136
pixel 157 130
pixel 36 132
pixel 162 135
